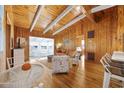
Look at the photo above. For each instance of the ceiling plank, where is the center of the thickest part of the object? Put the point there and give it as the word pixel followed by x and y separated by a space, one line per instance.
pixel 36 17
pixel 64 13
pixel 93 10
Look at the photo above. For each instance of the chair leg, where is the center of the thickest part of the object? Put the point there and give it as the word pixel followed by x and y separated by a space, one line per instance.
pixel 106 81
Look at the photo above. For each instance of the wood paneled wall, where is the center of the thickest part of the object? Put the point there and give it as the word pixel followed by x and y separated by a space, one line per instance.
pixel 105 27
pixel 109 29
pixel 8 35
pixel 120 28
pixel 9 30
pixel 24 32
pixel 109 33
pixel 74 34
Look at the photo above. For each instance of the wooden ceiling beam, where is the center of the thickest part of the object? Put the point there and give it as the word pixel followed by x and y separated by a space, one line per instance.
pixel 70 23
pixel 100 8
pixel 9 19
pixel 36 17
pixel 87 14
pixel 93 10
pixel 64 13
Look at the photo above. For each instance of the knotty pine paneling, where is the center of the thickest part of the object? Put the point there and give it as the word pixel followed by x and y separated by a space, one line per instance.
pixel 104 29
pixel 120 28
pixel 24 32
pixel 8 50
pixel 108 33
pixel 105 33
pixel 73 33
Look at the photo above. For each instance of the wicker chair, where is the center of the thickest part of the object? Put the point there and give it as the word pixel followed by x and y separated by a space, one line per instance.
pixel 10 62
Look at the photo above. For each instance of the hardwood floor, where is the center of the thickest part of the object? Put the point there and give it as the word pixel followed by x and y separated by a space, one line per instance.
pixel 84 75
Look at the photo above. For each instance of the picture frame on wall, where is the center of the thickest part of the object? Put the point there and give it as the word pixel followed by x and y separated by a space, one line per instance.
pixel 91 34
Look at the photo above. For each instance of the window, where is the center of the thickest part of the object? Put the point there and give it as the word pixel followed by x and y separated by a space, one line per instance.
pixel 1 28
pixel 41 47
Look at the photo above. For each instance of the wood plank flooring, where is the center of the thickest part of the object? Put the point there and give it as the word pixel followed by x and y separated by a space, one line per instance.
pixel 84 75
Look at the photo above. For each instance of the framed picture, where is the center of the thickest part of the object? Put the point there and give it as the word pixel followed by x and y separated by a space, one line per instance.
pixel 91 34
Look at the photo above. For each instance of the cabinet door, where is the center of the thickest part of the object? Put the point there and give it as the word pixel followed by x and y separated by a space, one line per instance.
pixel 18 56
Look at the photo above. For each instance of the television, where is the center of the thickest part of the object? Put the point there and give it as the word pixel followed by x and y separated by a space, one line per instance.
pixel 91 34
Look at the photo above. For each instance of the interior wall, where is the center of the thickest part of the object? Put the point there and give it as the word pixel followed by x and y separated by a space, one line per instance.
pixel 105 29
pixel 73 35
pixel 8 49
pixel 108 33
pixel 9 35
pixel 120 29
pixel 108 28
pixel 24 32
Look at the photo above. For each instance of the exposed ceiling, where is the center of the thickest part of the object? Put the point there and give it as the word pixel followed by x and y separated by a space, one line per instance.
pixel 24 14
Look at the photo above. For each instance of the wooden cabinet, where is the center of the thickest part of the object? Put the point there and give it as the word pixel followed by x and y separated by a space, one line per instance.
pixel 18 56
